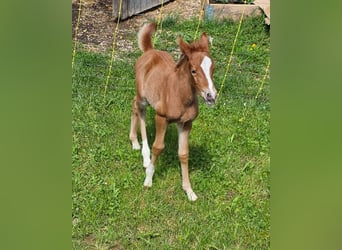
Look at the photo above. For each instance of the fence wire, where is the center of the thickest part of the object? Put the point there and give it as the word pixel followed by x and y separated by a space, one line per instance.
pixel 159 22
pixel 231 52
pixel 76 33
pixel 113 49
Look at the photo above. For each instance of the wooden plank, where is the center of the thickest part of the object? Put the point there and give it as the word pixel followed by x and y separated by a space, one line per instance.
pixel 124 9
pixel 137 6
pixel 145 4
pixel 133 7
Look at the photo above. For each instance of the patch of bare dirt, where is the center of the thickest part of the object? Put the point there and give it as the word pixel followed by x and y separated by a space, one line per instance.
pixel 96 25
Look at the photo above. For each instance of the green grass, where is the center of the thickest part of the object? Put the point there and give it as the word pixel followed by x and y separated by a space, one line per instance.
pixel 229 152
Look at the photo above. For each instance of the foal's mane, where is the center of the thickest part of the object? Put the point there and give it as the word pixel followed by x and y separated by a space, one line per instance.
pixel 182 60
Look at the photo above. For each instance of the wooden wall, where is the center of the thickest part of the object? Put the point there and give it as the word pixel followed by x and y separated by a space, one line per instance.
pixel 133 7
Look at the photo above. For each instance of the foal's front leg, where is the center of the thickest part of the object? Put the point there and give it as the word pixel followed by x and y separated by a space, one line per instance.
pixel 183 154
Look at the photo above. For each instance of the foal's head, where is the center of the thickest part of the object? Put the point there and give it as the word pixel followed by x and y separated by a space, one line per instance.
pixel 201 67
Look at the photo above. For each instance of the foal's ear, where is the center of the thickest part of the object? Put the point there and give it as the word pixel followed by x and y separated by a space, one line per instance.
pixel 204 42
pixel 183 46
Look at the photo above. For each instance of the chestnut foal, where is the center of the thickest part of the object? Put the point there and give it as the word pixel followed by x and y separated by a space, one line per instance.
pixel 170 89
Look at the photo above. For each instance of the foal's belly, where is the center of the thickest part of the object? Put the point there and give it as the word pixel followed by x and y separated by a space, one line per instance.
pixel 179 116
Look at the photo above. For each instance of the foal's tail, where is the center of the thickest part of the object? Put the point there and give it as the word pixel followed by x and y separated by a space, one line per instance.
pixel 145 36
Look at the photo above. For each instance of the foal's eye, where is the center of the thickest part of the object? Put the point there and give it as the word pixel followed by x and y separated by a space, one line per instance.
pixel 193 71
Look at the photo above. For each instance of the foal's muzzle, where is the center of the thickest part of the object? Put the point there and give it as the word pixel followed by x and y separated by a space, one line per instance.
pixel 209 99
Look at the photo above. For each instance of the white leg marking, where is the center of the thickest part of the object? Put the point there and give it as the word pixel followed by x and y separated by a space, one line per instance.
pixel 149 176
pixel 205 65
pixel 135 145
pixel 146 154
pixel 191 195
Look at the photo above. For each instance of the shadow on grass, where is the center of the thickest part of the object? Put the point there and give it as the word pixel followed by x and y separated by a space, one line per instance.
pixel 199 156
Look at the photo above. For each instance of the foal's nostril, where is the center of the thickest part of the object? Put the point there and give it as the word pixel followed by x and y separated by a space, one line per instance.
pixel 210 97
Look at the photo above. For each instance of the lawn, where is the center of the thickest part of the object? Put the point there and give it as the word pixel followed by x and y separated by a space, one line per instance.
pixel 229 151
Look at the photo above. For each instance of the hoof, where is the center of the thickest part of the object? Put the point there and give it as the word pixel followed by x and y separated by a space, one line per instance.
pixel 149 176
pixel 191 195
pixel 147 183
pixel 136 146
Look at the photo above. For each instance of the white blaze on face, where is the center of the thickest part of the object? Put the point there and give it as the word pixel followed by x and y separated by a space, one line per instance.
pixel 205 65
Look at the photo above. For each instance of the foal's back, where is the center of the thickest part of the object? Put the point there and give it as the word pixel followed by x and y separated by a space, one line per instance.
pixel 153 68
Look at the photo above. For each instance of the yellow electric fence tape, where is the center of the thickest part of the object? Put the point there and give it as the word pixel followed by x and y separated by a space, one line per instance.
pixel 200 17
pixel 231 52
pixel 263 79
pixel 113 48
pixel 159 21
pixel 75 35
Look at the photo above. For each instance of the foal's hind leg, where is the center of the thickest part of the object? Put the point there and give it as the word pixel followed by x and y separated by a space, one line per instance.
pixel 158 146
pixel 141 107
pixel 139 113
pixel 134 125
pixel 183 154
